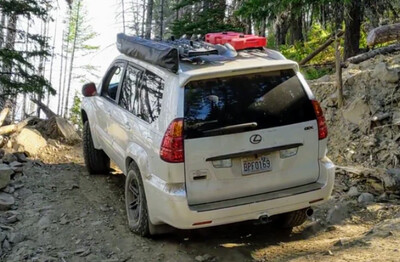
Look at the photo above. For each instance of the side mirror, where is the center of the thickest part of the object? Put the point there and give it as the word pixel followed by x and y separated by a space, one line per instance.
pixel 89 90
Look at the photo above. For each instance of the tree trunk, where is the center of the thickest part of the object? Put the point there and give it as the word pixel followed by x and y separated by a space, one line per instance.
pixel 123 16
pixel 71 65
pixel 9 44
pixel 296 24
pixel 149 18
pixel 162 19
pixel 383 34
pixel 60 78
pixel 353 29
pixel 143 16
pixel 2 25
pixel 52 60
pixel 281 27
pixel 41 64
pixel 65 68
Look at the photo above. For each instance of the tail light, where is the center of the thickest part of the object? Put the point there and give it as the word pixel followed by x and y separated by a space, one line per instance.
pixel 322 128
pixel 172 144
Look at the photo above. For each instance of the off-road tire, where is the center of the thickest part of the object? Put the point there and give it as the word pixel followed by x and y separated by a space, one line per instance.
pixel 138 218
pixel 293 219
pixel 96 161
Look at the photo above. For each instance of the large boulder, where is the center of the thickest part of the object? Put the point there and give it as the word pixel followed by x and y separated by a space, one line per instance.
pixel 384 74
pixel 31 140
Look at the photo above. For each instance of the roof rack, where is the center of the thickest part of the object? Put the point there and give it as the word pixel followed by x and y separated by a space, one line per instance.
pixel 167 54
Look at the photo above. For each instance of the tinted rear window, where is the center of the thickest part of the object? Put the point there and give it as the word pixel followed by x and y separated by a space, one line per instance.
pixel 243 103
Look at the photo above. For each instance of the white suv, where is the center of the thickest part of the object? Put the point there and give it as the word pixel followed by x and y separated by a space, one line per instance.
pixel 213 143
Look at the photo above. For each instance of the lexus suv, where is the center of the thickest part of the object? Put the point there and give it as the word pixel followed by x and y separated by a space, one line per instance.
pixel 210 144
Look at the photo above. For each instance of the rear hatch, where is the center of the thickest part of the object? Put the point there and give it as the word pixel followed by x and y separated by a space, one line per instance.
pixel 248 134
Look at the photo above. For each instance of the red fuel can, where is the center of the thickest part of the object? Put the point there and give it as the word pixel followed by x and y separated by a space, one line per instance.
pixel 238 40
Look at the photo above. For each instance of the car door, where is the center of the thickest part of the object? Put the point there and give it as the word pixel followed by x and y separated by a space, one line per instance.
pixel 106 103
pixel 140 105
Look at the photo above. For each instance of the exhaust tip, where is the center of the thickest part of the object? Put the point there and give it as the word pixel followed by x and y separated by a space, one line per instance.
pixel 309 212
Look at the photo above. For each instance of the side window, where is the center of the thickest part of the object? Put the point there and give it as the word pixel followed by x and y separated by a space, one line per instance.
pixel 111 83
pixel 129 89
pixel 151 94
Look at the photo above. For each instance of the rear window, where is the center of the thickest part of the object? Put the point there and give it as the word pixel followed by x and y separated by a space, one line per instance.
pixel 243 103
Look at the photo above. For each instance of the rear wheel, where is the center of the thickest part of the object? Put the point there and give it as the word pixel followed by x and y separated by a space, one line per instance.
pixel 96 161
pixel 135 202
pixel 293 219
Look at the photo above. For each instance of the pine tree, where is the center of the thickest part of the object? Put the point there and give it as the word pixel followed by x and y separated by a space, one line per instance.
pixel 79 35
pixel 18 74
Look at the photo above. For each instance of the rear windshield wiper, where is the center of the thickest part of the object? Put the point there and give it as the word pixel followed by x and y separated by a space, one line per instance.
pixel 232 127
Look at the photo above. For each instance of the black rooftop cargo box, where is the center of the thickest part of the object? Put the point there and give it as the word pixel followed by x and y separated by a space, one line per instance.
pixel 156 53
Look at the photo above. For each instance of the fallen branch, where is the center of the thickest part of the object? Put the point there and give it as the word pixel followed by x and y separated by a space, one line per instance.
pixel 48 112
pixel 380 51
pixel 383 34
pixel 321 48
pixel 4 130
pixel 4 113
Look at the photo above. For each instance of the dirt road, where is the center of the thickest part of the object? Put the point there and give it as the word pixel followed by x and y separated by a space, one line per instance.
pixel 67 215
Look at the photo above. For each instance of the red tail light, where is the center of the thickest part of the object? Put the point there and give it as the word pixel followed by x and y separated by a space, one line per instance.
pixel 172 144
pixel 322 128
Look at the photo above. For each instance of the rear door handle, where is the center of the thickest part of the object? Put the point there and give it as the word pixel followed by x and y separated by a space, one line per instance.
pixel 127 125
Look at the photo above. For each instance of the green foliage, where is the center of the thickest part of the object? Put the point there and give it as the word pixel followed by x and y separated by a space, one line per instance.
pixel 316 37
pixel 314 73
pixel 18 74
pixel 75 112
pixel 208 19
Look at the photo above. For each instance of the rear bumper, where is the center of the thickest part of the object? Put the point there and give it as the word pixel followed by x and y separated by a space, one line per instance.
pixel 167 205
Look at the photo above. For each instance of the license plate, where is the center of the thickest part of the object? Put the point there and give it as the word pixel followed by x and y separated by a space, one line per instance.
pixel 257 165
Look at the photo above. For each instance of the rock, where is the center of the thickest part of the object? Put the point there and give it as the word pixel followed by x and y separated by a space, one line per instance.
pixel 365 198
pixel 21 157
pixel 203 258
pixel 391 179
pixel 353 192
pixel 9 189
pixel 337 214
pixel 384 74
pixel 6 201
pixel 383 197
pixel 5 175
pixel 31 140
pixel 6 245
pixel 2 236
pixel 2 153
pixel 16 238
pixel 8 158
pixel 357 111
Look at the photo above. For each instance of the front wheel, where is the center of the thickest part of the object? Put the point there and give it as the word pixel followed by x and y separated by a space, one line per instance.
pixel 96 161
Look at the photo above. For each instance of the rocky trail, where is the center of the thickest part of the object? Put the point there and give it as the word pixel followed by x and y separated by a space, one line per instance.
pixel 51 209
pixel 61 213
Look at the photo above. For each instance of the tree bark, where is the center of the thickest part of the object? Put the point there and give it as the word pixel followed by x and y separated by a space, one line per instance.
pixel 4 114
pixel 9 44
pixel 149 18
pixel 339 81
pixel 71 65
pixel 2 25
pixel 384 34
pixel 296 24
pixel 4 130
pixel 61 73
pixel 47 111
pixel 384 50
pixel 353 28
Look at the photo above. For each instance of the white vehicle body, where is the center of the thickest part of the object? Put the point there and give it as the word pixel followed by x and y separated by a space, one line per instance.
pixel 194 193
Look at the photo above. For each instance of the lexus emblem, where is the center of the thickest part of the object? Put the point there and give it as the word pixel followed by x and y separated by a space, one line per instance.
pixel 255 139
